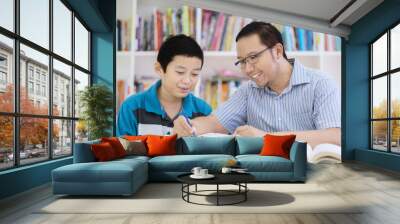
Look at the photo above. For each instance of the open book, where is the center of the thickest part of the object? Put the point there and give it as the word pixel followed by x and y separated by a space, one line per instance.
pixel 324 153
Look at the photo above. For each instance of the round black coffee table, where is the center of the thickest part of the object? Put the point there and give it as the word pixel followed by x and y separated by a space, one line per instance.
pixel 238 179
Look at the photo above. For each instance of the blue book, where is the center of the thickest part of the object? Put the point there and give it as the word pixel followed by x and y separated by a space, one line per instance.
pixel 310 40
pixel 300 35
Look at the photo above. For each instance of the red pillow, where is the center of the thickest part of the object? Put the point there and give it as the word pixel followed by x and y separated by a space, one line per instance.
pixel 103 151
pixel 116 145
pixel 277 145
pixel 161 145
pixel 135 138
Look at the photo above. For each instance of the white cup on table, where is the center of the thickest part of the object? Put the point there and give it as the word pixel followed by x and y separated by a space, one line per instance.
pixel 196 170
pixel 203 172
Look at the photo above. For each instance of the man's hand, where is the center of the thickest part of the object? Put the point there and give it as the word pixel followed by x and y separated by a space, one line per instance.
pixel 182 128
pixel 250 131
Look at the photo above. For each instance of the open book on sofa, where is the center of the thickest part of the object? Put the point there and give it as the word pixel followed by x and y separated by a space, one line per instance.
pixel 324 153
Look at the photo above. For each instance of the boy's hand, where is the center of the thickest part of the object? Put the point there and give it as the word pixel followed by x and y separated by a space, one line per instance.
pixel 247 130
pixel 182 128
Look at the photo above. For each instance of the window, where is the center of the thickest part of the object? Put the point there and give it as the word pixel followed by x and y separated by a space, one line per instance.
pixel 30 87
pixel 62 29
pixel 7 14
pixel 62 74
pixel 3 61
pixel 385 94
pixel 3 72
pixel 37 74
pixel 81 45
pixel 30 72
pixel 7 88
pixel 38 89
pixel 54 125
pixel 35 22
pixel 3 78
pixel 44 91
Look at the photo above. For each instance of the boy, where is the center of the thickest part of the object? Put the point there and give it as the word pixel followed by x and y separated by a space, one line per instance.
pixel 153 111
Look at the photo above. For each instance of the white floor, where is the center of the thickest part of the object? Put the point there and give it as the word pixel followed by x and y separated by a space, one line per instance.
pixel 378 189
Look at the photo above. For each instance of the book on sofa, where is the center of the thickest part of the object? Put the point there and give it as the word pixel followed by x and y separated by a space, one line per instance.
pixel 324 153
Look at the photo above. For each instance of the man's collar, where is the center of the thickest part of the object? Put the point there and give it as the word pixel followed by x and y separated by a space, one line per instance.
pixel 298 76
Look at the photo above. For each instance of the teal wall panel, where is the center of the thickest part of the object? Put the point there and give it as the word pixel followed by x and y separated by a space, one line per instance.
pixel 24 178
pixel 356 80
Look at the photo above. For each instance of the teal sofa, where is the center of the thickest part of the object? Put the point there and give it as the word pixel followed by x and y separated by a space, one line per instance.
pixel 125 176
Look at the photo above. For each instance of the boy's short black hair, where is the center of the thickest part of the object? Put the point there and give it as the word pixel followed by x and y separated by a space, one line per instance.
pixel 268 34
pixel 178 45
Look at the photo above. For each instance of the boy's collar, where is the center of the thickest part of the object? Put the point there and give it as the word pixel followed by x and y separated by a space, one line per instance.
pixel 152 103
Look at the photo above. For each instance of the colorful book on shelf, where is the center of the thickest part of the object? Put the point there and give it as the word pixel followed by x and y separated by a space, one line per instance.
pixel 214 31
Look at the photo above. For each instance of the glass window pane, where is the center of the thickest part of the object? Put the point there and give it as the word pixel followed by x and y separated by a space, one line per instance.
pixel 379 55
pixel 35 21
pixel 395 94
pixel 62 89
pixel 7 14
pixel 6 142
pixel 81 45
pixel 62 138
pixel 81 131
pixel 395 47
pixel 62 29
pixel 33 139
pixel 379 135
pixel 6 74
pixel 395 136
pixel 81 81
pixel 34 97
pixel 379 97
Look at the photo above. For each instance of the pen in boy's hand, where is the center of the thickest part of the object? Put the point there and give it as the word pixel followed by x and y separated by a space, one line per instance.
pixel 190 124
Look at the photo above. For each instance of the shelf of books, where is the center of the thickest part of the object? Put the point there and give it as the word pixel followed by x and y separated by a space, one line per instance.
pixel 141 32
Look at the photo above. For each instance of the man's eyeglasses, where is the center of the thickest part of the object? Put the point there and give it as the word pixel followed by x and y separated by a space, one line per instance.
pixel 251 59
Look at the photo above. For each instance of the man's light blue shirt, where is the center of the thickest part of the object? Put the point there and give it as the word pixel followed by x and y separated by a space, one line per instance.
pixel 311 101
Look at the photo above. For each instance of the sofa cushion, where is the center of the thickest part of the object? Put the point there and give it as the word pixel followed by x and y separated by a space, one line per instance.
pixel 206 145
pixel 136 147
pixel 161 145
pixel 111 171
pixel 249 145
pixel 103 152
pixel 277 145
pixel 116 145
pixel 185 163
pixel 135 138
pixel 257 163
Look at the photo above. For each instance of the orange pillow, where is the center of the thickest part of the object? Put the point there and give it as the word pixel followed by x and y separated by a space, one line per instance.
pixel 135 138
pixel 277 145
pixel 116 145
pixel 103 151
pixel 161 145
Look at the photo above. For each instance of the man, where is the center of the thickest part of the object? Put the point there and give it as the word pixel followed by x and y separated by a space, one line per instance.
pixel 282 96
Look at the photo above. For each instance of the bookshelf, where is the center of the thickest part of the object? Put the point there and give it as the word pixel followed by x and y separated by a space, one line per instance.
pixel 137 65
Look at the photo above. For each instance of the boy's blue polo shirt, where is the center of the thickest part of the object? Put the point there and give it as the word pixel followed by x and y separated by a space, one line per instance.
pixel 142 113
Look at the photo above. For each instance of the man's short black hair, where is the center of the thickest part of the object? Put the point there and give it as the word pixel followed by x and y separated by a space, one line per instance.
pixel 181 45
pixel 268 34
